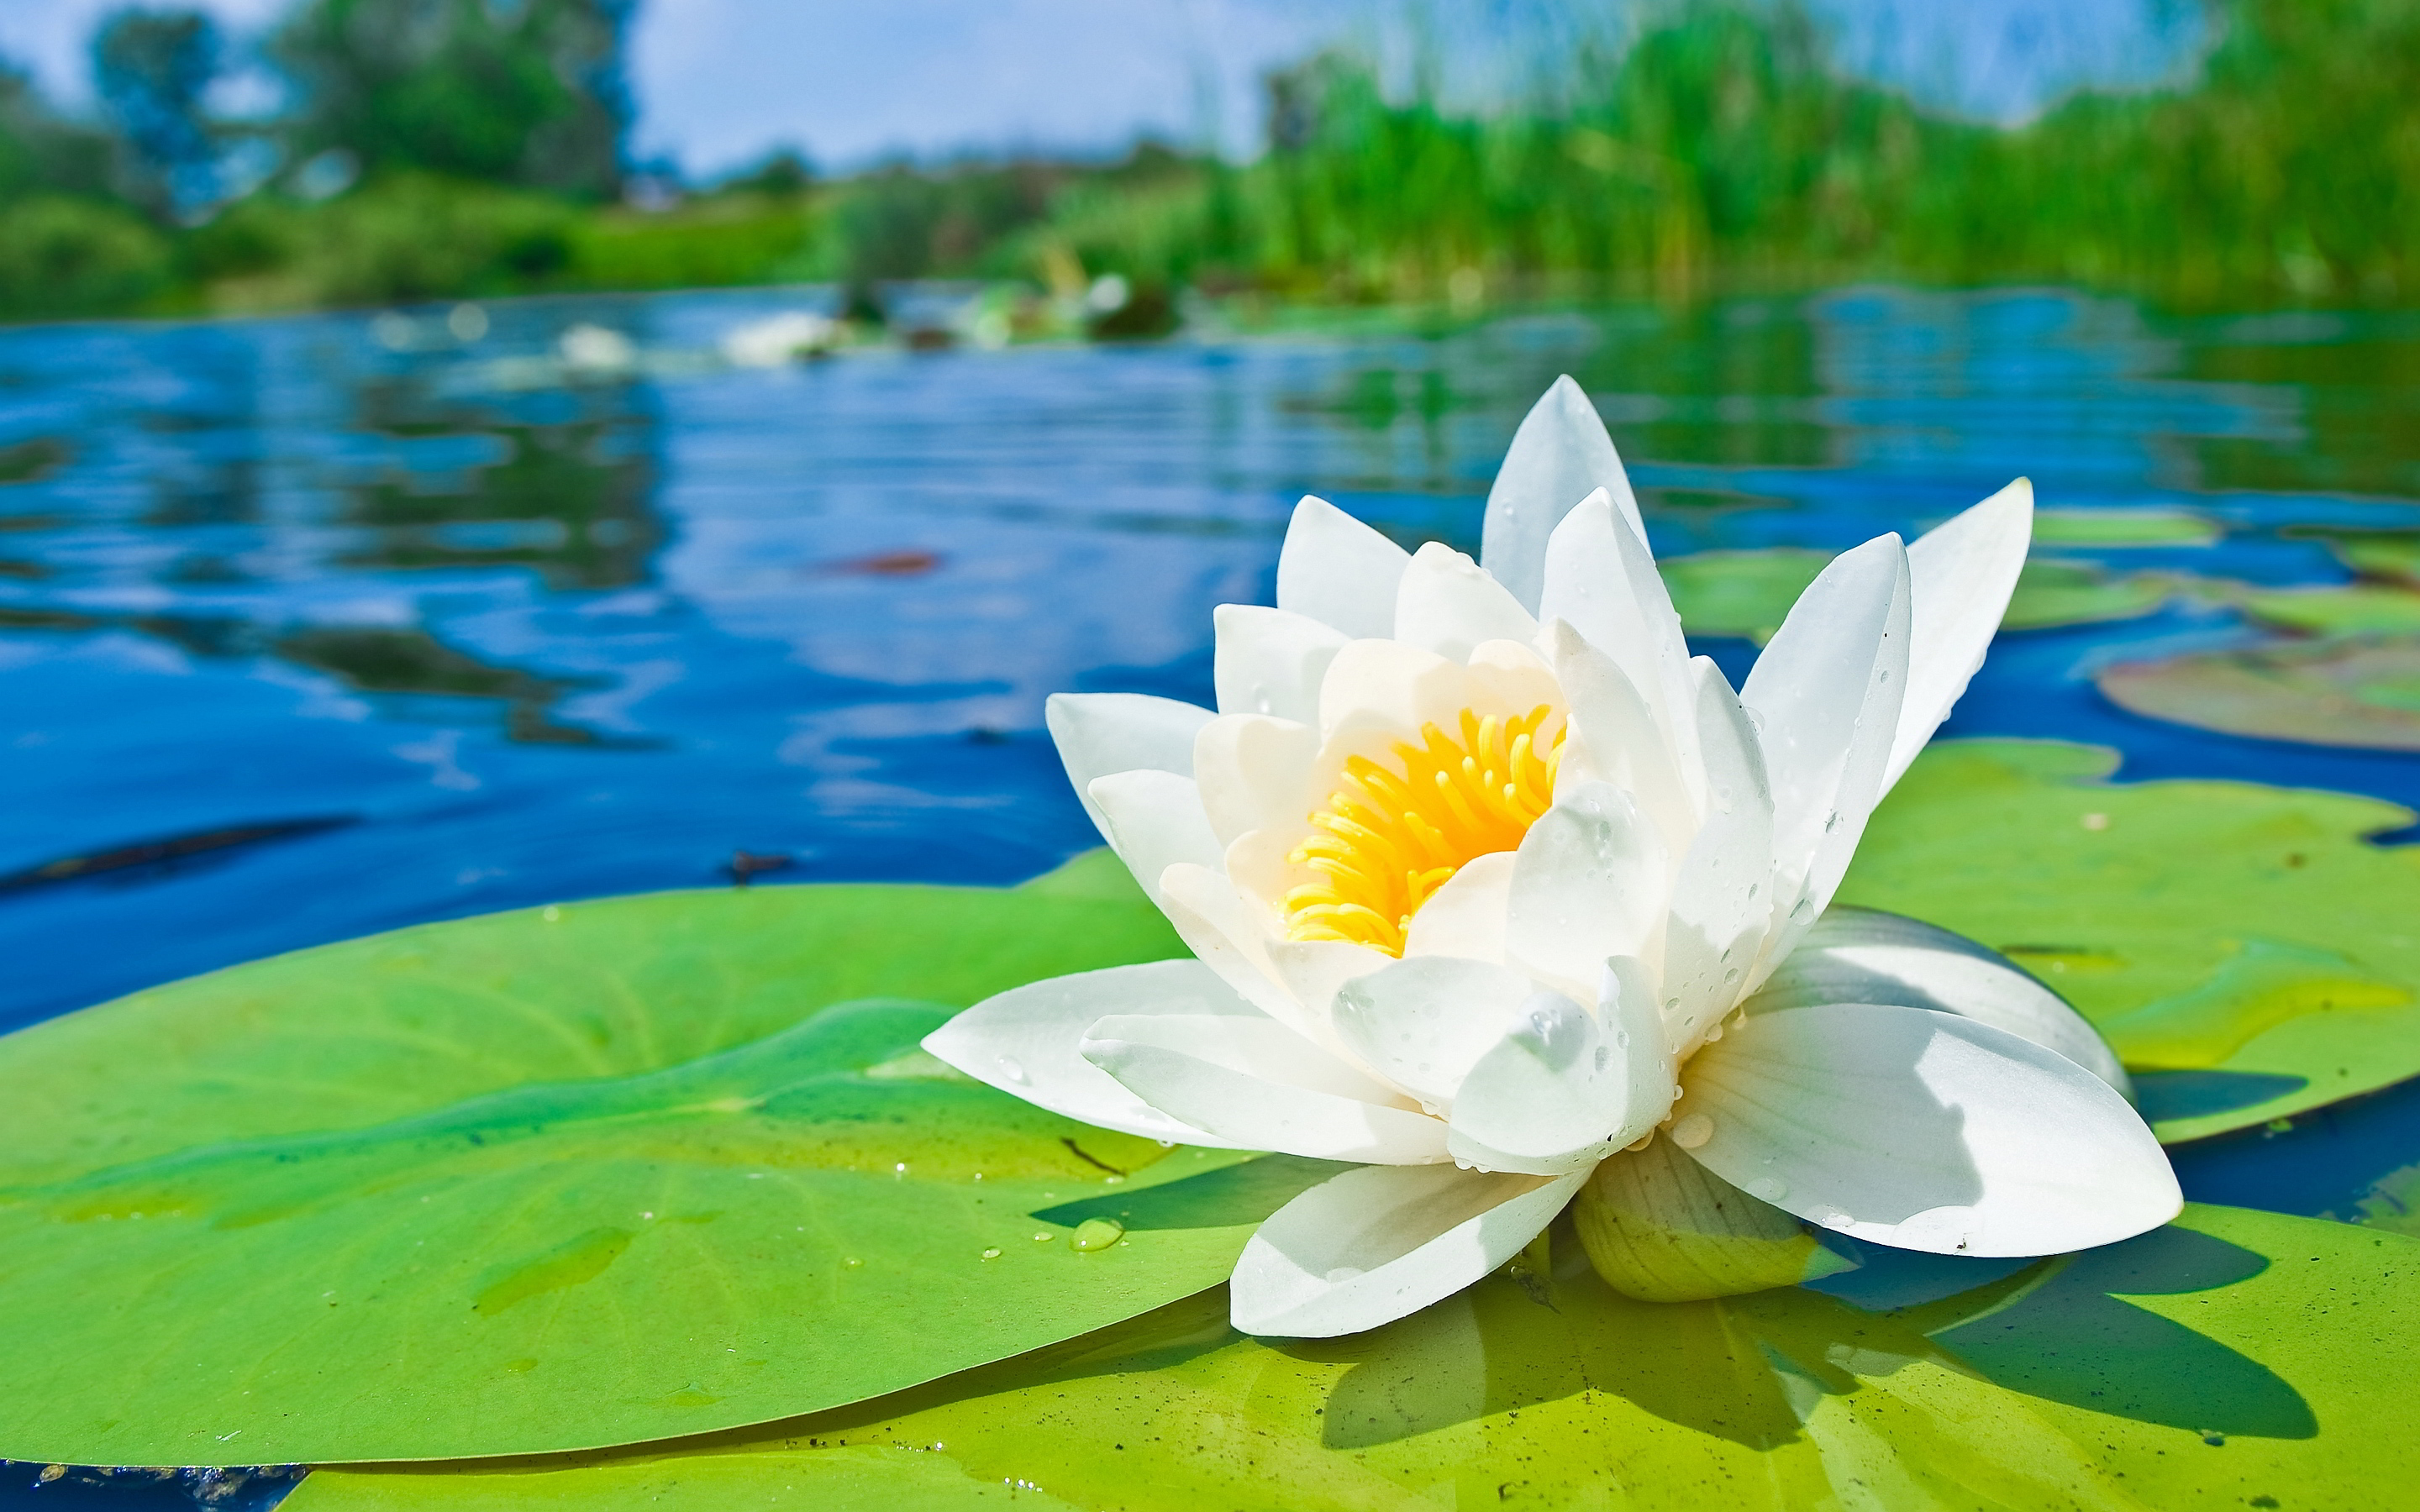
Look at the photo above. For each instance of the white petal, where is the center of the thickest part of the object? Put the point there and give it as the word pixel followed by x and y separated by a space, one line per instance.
pixel 1155 820
pixel 1422 1023
pixel 1314 971
pixel 1723 898
pixel 1271 662
pixel 1448 604
pixel 1255 772
pixel 1961 575
pixel 1375 1245
pixel 1621 740
pixel 1025 1040
pixel 1466 915
pixel 1511 676
pixel 1559 1091
pixel 1263 1086
pixel 1558 457
pixel 1861 955
pixel 1229 935
pixel 1390 688
pixel 1924 1131
pixel 1098 734
pixel 1339 571
pixel 1826 694
pixel 1601 579
pixel 1589 883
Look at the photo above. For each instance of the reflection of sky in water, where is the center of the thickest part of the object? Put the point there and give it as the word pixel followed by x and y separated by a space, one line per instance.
pixel 536 638
pixel 545 638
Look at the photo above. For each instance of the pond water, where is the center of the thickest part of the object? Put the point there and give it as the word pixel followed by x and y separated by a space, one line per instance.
pixel 316 626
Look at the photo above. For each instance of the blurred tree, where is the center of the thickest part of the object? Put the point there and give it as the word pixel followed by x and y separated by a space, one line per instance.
pixel 783 174
pixel 529 93
pixel 41 151
pixel 152 68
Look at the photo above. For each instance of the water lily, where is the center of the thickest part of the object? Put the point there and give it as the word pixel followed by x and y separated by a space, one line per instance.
pixel 1497 893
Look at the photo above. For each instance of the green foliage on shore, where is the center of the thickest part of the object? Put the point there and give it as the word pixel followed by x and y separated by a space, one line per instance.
pixel 1715 150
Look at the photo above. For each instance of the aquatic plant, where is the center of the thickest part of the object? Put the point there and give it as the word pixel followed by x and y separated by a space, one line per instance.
pixel 1549 863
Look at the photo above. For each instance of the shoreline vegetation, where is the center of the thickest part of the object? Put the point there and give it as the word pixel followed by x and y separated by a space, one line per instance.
pixel 1713 152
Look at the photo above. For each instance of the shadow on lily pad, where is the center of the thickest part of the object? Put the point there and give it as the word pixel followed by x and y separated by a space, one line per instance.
pixel 2162 1095
pixel 1750 1369
pixel 2073 1339
pixel 1233 1195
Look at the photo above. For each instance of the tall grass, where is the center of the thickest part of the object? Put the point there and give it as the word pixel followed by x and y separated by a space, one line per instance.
pixel 1719 149
pixel 1715 150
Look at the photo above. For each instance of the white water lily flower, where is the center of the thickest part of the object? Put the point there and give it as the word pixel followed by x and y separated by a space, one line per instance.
pixel 1478 866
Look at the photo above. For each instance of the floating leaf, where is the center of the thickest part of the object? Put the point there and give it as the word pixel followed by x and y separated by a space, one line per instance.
pixel 2362 608
pixel 2241 948
pixel 569 1177
pixel 2123 527
pixel 2051 595
pixel 2390 554
pixel 2232 1358
pixel 2364 693
pixel 1740 593
pixel 1749 593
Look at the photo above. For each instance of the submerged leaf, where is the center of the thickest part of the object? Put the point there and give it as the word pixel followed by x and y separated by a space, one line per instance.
pixel 2231 1357
pixel 575 1176
pixel 2246 952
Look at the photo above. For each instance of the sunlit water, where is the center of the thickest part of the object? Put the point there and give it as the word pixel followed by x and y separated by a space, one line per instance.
pixel 355 626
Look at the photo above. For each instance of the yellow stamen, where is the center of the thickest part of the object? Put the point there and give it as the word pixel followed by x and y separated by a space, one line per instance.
pixel 1389 838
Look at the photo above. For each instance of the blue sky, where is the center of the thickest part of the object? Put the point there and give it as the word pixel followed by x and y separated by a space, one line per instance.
pixel 721 82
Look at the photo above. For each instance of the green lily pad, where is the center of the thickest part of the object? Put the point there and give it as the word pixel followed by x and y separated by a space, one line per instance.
pixel 2391 555
pixel 2362 608
pixel 2123 527
pixel 2240 945
pixel 565 1177
pixel 1740 593
pixel 2053 594
pixel 1750 593
pixel 2231 1358
pixel 2354 692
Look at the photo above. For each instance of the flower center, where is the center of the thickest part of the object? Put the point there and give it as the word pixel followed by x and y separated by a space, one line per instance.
pixel 1389 838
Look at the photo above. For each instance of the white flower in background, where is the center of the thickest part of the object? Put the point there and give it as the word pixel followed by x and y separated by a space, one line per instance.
pixel 1478 866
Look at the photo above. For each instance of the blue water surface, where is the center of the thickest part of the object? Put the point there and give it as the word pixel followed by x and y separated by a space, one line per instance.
pixel 321 626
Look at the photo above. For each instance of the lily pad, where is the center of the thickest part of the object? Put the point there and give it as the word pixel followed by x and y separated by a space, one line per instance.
pixel 2241 948
pixel 571 1176
pixel 2363 609
pixel 2053 594
pixel 1740 593
pixel 2392 555
pixel 1750 593
pixel 2231 1358
pixel 2353 693
pixel 2124 527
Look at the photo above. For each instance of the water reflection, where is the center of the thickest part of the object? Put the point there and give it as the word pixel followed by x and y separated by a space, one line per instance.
pixel 556 632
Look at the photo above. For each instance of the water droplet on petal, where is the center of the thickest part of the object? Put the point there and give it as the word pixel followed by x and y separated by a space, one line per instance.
pixel 1013 1069
pixel 1621 1038
pixel 1768 1188
pixel 1040 1238
pixel 1692 1131
pixel 992 1253
pixel 1730 975
pixel 1604 1058
pixel 852 1262
pixel 1097 1234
